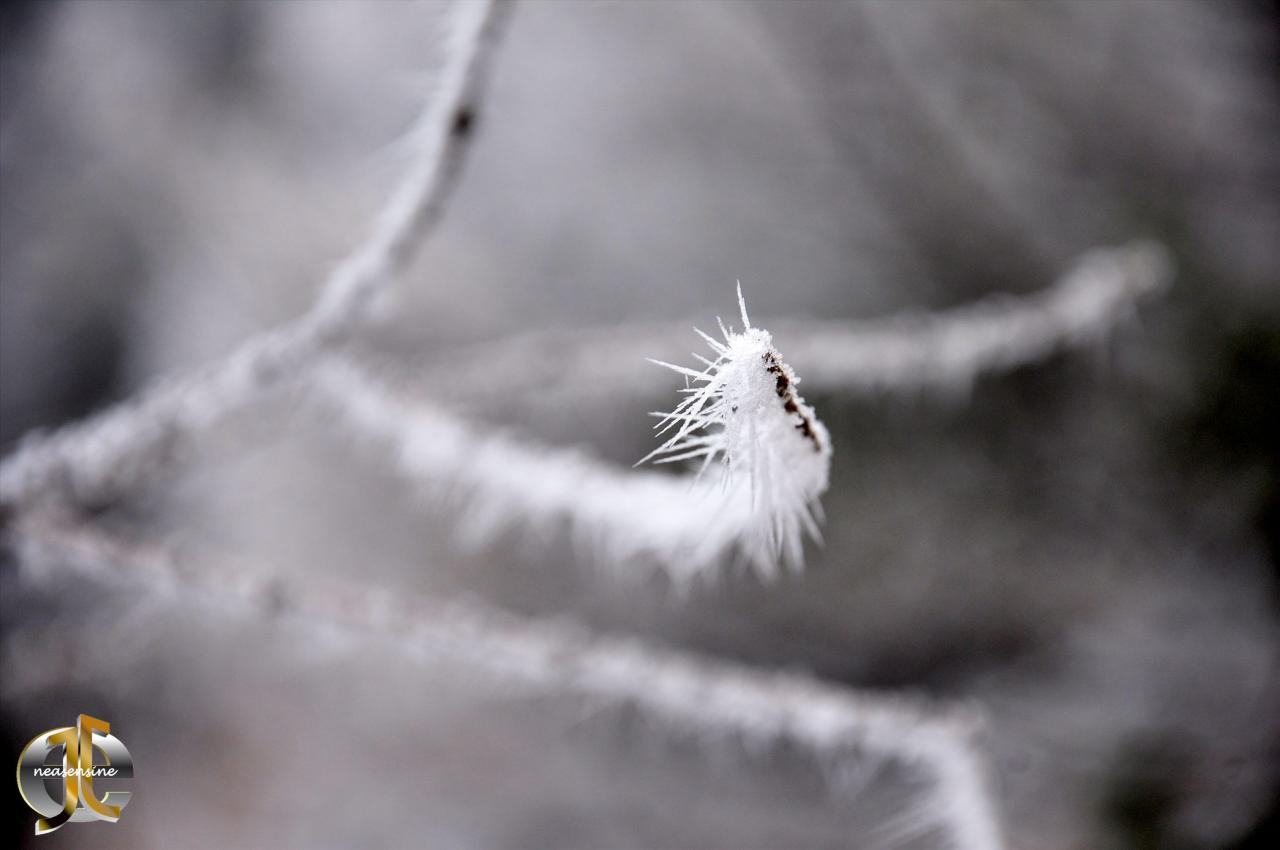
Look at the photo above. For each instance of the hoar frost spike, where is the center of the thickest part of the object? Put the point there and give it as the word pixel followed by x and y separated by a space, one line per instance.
pixel 742 410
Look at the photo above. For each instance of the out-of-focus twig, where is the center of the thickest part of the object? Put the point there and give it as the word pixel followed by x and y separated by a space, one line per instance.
pixel 495 481
pixel 690 694
pixel 917 352
pixel 99 457
pixel 686 527
pixel 953 348
pixel 912 353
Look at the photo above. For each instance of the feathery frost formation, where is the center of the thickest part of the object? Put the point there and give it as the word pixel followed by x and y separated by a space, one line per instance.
pixel 774 456
pixel 743 410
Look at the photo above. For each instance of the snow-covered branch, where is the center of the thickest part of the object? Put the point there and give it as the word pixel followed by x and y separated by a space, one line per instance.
pixel 743 411
pixel 689 694
pixel 951 349
pixel 106 453
pixel 758 501
pixel 99 457
pixel 910 353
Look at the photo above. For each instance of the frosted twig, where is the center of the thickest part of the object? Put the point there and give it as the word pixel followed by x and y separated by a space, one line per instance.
pixel 917 352
pixel 104 454
pixel 743 410
pixel 951 349
pixel 688 694
pixel 687 528
pixel 682 526
pixel 97 458
pixel 440 138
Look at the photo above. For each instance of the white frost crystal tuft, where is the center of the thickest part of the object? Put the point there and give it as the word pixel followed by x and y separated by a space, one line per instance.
pixel 743 410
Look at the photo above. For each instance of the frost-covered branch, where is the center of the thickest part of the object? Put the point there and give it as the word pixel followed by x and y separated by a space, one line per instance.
pixel 742 410
pixel 99 457
pixel 948 350
pixel 945 350
pixel 774 456
pixel 690 695
pixel 440 139
pixel 951 349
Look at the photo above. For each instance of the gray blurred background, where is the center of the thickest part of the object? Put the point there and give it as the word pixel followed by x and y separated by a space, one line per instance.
pixel 1087 547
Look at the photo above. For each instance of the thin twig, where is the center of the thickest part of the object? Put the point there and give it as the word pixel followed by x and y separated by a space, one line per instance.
pixel 950 350
pixel 494 481
pixel 947 350
pixel 98 458
pixel 686 693
pixel 918 352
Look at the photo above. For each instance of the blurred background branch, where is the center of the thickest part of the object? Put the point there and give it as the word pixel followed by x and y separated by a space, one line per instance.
pixel 704 698
pixel 94 461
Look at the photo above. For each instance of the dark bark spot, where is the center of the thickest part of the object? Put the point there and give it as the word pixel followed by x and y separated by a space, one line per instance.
pixel 463 121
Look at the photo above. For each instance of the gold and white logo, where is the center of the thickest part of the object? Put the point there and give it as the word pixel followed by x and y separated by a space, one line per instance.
pixel 68 753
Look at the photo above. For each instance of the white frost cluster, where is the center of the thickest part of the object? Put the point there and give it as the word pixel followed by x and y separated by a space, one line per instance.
pixel 685 527
pixel 741 417
pixel 743 410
